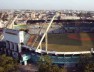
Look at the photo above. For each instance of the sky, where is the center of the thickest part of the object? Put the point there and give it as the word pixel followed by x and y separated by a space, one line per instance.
pixel 48 4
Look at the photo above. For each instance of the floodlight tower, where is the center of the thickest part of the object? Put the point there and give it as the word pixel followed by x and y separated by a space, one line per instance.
pixel 39 47
pixel 11 26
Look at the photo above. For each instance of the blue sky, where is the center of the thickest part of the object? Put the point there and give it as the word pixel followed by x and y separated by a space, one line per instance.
pixel 47 4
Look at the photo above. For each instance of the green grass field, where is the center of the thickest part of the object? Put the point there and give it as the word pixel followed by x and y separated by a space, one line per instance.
pixel 70 42
pixel 20 26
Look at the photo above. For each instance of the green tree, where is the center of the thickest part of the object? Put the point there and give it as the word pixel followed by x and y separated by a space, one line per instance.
pixel 8 64
pixel 89 67
pixel 86 63
pixel 45 65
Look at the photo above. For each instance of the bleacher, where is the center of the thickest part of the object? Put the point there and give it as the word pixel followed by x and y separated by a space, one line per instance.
pixel 63 27
pixel 82 27
pixel 27 36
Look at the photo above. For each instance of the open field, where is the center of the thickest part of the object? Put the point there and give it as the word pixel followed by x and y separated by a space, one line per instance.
pixel 20 26
pixel 70 42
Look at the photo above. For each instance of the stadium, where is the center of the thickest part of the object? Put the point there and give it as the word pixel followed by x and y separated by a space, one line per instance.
pixel 64 41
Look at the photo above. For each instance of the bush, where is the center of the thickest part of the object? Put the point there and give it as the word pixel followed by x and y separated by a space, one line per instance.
pixel 8 64
pixel 45 65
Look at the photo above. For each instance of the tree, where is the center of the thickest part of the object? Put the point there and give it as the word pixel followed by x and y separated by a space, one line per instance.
pixel 86 63
pixel 89 67
pixel 88 14
pixel 45 65
pixel 8 64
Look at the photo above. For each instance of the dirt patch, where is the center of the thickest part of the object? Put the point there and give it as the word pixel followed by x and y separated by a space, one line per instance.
pixel 76 37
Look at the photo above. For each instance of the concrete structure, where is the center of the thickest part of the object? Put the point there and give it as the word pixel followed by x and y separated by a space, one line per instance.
pixel 13 39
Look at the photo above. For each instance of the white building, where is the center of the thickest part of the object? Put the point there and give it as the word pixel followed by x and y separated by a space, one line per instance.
pixel 1 24
pixel 13 39
pixel 33 15
pixel 70 17
pixel 15 36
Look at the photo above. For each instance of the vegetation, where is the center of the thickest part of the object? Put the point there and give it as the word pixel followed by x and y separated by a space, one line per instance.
pixel 86 63
pixel 8 64
pixel 45 65
pixel 89 67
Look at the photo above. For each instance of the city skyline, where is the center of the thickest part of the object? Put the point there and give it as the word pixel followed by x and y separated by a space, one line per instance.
pixel 48 4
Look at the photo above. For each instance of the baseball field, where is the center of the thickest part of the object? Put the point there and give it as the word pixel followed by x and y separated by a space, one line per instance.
pixel 70 42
